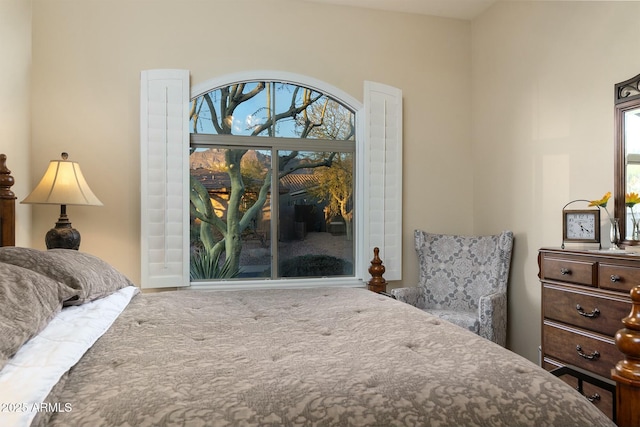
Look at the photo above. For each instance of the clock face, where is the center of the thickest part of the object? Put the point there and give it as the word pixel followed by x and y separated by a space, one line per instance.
pixel 581 226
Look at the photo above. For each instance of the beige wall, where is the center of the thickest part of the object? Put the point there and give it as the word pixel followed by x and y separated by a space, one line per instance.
pixel 15 73
pixel 88 56
pixel 542 104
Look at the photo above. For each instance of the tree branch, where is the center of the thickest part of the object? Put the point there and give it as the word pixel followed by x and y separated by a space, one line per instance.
pixel 326 162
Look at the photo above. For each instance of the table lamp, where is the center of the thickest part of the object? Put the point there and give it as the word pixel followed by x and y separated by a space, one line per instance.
pixel 63 184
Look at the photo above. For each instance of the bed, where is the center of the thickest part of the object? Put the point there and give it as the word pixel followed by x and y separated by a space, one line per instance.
pixel 81 346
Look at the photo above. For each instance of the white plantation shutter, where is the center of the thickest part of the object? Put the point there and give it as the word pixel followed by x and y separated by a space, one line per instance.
pixel 164 133
pixel 383 176
pixel 164 142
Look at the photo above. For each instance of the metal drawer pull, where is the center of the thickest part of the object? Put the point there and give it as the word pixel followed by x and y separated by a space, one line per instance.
pixel 594 397
pixel 595 313
pixel 593 356
pixel 615 278
pixel 564 271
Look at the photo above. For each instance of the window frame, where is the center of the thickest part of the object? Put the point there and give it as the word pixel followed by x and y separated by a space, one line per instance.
pixel 277 143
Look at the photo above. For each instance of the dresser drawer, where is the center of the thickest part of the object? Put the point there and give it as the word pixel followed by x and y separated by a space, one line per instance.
pixel 601 398
pixel 598 313
pixel 593 352
pixel 572 271
pixel 618 278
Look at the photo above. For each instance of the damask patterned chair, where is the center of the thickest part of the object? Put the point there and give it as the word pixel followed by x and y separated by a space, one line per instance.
pixel 463 279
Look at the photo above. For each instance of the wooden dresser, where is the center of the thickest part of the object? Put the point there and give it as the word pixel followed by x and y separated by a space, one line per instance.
pixel 585 295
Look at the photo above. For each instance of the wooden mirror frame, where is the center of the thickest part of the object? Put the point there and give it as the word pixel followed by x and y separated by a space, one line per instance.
pixel 627 97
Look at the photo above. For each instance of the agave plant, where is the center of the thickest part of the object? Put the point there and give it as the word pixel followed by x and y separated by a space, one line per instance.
pixel 206 266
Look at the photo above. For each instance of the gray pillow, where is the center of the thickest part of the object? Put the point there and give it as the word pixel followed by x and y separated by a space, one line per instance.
pixel 28 302
pixel 92 277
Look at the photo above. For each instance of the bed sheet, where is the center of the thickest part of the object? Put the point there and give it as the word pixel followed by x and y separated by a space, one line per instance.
pixel 31 374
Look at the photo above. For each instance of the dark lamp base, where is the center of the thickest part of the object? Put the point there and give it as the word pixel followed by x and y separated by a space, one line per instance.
pixel 63 236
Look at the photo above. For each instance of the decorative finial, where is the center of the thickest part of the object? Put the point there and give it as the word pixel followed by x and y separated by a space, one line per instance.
pixel 6 180
pixel 377 282
pixel 64 155
pixel 627 340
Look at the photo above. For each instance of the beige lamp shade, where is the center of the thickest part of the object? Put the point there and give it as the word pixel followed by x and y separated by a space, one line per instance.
pixel 63 184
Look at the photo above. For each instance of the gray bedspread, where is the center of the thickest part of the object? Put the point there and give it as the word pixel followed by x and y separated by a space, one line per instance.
pixel 317 357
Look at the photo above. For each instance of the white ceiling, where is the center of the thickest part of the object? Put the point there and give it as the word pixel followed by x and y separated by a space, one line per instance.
pixel 459 9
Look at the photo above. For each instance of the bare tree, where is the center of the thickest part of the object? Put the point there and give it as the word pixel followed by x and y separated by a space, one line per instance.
pixel 223 235
pixel 335 183
pixel 335 186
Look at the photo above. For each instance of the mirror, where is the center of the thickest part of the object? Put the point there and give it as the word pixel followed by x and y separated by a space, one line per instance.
pixel 627 157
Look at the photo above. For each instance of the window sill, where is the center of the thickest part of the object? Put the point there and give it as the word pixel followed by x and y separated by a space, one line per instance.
pixel 230 285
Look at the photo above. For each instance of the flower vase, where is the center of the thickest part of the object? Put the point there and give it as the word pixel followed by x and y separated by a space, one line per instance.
pixel 635 231
pixel 614 234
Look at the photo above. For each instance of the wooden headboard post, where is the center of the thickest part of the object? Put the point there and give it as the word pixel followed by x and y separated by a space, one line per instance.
pixel 377 283
pixel 7 205
pixel 627 372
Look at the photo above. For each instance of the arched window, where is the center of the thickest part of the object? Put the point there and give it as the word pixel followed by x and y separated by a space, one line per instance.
pixel 249 138
pixel 267 179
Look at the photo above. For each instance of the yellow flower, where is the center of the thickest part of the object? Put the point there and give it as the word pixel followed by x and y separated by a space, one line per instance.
pixel 631 199
pixel 602 202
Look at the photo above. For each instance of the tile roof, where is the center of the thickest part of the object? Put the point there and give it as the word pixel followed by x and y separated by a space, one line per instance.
pixel 219 182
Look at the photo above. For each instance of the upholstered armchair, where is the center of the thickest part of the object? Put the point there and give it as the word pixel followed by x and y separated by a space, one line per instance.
pixel 463 279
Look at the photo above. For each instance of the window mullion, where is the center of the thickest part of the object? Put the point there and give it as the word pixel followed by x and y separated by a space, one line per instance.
pixel 274 199
pixel 275 215
pixel 203 140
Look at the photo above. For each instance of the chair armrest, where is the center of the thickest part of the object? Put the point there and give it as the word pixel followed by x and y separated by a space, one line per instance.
pixel 387 294
pixel 413 296
pixel 492 310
